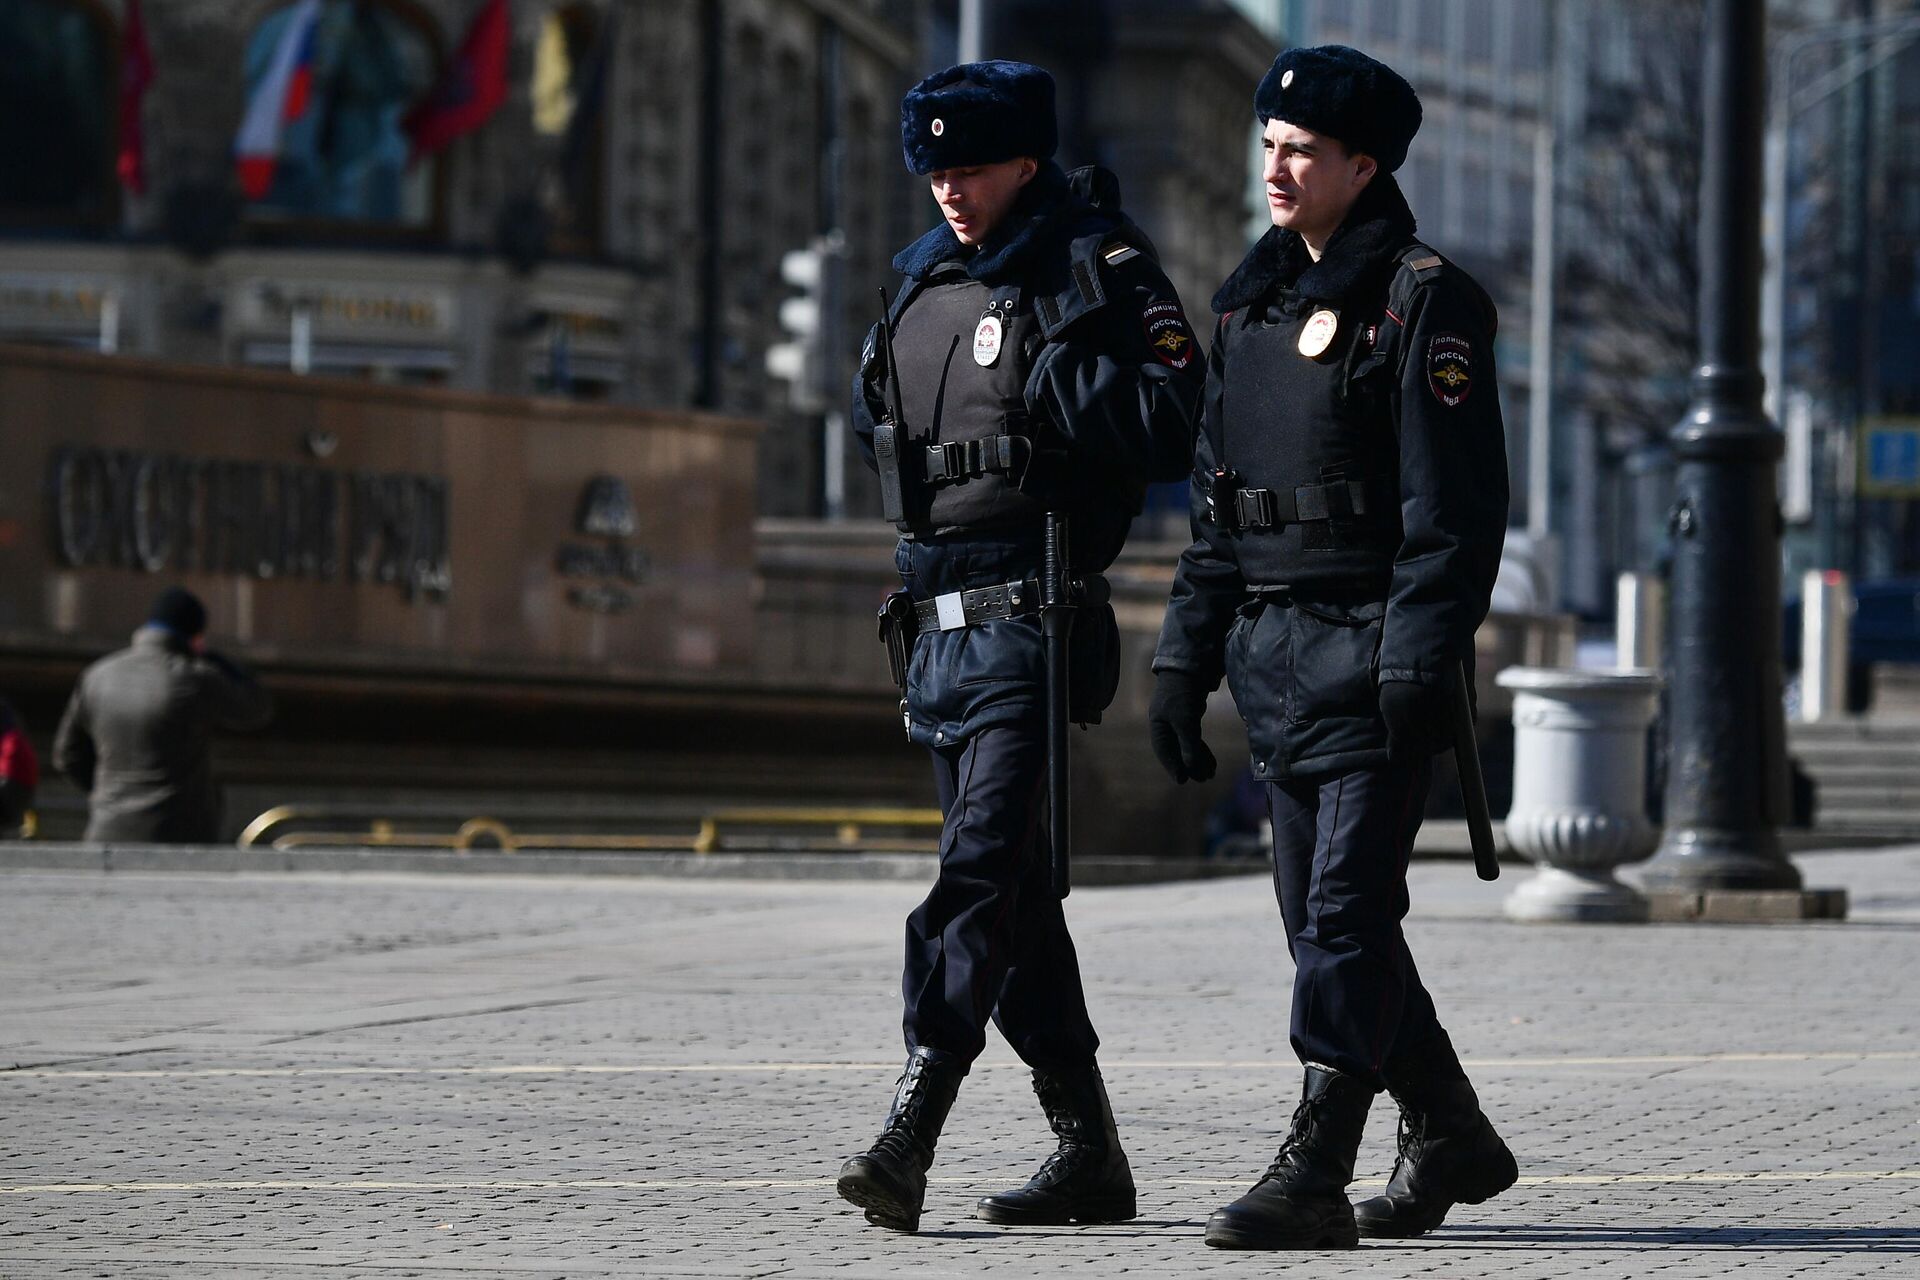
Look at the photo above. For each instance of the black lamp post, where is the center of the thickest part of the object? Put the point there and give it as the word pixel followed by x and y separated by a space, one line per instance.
pixel 1727 775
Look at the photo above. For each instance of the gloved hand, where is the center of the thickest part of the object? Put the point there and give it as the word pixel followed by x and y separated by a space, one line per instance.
pixel 1419 718
pixel 1173 726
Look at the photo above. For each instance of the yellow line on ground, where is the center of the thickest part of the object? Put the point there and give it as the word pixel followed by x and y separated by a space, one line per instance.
pixel 774 1068
pixel 776 1184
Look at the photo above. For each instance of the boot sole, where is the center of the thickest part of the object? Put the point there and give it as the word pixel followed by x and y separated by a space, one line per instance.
pixel 883 1207
pixel 1086 1213
pixel 1388 1229
pixel 1332 1235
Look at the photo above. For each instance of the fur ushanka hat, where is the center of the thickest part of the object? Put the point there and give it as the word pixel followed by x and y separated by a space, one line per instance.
pixel 1344 94
pixel 978 113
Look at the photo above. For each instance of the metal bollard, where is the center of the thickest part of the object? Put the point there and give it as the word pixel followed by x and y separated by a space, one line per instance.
pixel 1640 622
pixel 1826 622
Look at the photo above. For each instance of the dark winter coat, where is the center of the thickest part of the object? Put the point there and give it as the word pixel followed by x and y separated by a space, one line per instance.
pixel 136 733
pixel 1110 392
pixel 1307 620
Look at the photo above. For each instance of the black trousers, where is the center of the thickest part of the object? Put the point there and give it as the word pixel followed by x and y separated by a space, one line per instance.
pixel 1340 850
pixel 990 941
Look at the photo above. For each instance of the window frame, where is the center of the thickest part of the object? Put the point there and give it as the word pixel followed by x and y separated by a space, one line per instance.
pixel 263 226
pixel 107 219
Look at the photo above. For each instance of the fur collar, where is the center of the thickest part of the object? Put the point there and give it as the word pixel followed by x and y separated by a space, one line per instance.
pixel 1379 225
pixel 1048 215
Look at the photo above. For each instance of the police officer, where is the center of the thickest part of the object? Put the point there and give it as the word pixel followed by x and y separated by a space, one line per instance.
pixel 1042 363
pixel 1349 504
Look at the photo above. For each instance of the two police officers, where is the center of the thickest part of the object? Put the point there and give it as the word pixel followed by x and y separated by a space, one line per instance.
pixel 1039 365
pixel 1349 505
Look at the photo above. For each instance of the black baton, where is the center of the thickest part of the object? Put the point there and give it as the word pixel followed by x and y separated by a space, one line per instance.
pixel 1056 621
pixel 1473 784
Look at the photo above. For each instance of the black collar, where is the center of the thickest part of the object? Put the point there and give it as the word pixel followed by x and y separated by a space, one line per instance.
pixel 1378 226
pixel 1048 213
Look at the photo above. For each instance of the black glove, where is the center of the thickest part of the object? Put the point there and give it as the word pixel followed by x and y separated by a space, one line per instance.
pixel 1419 718
pixel 1173 726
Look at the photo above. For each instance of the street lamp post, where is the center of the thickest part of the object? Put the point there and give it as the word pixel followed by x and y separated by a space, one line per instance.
pixel 1727 774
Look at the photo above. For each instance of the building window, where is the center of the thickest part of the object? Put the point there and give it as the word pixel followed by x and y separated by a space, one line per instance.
pixel 570 69
pixel 57 97
pixel 1477 31
pixel 1384 25
pixel 344 158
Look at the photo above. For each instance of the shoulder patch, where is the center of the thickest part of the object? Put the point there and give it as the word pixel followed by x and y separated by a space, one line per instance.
pixel 1117 252
pixel 1168 334
pixel 1449 368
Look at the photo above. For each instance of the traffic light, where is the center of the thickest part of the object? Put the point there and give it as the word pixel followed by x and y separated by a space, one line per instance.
pixel 806 317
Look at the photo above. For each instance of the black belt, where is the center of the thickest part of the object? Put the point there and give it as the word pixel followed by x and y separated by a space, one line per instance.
pixel 958 609
pixel 955 460
pixel 1271 508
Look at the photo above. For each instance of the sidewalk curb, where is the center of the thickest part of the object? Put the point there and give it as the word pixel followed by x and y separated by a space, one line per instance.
pixel 228 859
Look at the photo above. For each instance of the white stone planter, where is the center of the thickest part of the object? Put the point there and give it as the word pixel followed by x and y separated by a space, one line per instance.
pixel 1579 789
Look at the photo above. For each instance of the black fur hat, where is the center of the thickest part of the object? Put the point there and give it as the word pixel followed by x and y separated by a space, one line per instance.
pixel 1344 94
pixel 978 113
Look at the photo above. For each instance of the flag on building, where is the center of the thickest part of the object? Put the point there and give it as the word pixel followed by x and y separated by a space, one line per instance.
pixel 281 94
pixel 136 76
pixel 472 89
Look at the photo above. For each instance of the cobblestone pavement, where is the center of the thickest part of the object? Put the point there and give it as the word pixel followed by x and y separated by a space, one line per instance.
pixel 299 1076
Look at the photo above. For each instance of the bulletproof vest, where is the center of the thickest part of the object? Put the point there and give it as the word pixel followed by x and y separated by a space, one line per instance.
pixel 1305 438
pixel 963 395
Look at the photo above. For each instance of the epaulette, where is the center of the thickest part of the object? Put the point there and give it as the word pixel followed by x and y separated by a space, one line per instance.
pixel 1422 261
pixel 1115 252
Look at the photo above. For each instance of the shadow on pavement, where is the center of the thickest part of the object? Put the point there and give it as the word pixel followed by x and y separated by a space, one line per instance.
pixel 1776 1239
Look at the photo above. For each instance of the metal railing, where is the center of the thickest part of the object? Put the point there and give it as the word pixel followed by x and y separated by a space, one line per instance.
pixel 850 832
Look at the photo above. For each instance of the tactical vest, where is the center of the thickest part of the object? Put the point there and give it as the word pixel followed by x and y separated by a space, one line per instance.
pixel 964 352
pixel 1306 457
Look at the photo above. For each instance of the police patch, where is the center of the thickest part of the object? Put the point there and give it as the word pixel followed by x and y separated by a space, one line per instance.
pixel 1449 368
pixel 1168 334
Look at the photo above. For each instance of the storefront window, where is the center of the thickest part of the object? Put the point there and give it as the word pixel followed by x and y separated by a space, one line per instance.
pixel 56 112
pixel 344 158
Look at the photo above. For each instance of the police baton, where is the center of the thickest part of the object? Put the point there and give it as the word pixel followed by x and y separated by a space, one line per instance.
pixel 1056 623
pixel 1473 784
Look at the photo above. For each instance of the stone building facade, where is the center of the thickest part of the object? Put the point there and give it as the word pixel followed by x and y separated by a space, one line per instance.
pixel 614 231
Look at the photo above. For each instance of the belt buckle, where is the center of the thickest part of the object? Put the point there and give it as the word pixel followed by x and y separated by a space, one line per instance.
pixel 1262 513
pixel 952 610
pixel 953 459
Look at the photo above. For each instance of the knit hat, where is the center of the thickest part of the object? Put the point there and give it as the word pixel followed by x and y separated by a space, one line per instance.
pixel 179 611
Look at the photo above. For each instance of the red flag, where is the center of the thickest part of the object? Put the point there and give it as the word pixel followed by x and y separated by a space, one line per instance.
pixel 472 89
pixel 136 75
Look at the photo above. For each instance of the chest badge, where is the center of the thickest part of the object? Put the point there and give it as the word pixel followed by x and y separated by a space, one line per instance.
pixel 986 341
pixel 1316 335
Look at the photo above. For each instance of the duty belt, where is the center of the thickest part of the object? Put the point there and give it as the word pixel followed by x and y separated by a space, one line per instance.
pixel 957 609
pixel 954 460
pixel 1271 508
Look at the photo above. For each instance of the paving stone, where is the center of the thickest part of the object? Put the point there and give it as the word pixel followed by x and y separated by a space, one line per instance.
pixel 300 1075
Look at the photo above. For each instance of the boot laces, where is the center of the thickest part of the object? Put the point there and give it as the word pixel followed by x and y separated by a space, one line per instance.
pixel 1297 1134
pixel 1408 1139
pixel 895 1141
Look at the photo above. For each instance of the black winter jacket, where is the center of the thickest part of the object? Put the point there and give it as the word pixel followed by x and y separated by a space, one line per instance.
pixel 1307 620
pixel 1114 390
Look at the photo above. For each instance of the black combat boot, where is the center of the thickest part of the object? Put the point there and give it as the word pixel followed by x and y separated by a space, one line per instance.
pixel 1449 1154
pixel 1301 1200
pixel 1087 1179
pixel 890 1180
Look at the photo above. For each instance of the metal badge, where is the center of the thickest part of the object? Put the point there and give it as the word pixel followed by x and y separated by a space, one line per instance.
pixel 986 341
pixel 1316 335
